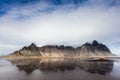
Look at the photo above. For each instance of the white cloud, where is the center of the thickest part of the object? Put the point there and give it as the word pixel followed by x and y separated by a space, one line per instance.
pixel 61 26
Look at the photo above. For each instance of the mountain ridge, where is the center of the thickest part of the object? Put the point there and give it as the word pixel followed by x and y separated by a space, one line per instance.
pixel 87 49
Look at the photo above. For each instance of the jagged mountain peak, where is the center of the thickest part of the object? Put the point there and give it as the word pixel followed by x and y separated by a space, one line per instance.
pixel 86 44
pixel 95 43
pixel 33 45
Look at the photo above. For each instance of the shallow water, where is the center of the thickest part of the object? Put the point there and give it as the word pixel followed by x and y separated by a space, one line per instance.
pixel 58 69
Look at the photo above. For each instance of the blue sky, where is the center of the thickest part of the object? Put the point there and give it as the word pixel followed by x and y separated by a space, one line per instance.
pixel 68 22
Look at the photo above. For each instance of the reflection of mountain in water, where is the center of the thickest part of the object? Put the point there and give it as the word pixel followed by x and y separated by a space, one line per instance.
pixel 28 65
pixel 97 67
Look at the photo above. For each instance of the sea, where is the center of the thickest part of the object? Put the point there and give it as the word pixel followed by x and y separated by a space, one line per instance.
pixel 59 69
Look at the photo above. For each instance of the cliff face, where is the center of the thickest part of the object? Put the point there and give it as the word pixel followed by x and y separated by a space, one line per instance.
pixel 87 49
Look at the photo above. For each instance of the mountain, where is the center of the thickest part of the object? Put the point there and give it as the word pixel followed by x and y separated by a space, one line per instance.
pixel 87 49
pixel 94 49
pixel 31 50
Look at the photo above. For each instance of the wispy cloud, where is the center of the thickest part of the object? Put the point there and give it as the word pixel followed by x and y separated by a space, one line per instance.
pixel 69 24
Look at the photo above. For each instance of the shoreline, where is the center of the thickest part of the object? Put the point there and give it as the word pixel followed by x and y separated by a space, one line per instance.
pixel 41 57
